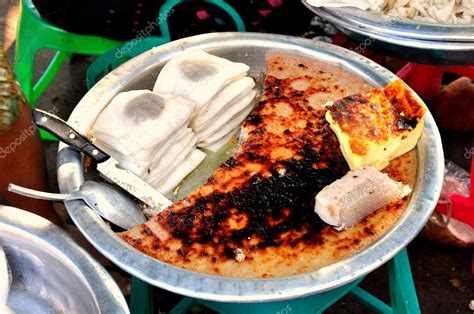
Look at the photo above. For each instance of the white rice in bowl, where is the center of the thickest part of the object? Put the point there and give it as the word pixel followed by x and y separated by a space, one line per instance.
pixel 430 11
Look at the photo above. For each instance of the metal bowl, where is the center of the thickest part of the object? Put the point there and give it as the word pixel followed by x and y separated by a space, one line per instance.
pixel 444 44
pixel 378 22
pixel 50 272
pixel 250 48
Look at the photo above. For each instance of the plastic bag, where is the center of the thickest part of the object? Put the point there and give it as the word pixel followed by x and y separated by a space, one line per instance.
pixel 442 228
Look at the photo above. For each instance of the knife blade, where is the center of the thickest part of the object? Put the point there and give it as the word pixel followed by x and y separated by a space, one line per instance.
pixel 106 164
pixel 133 184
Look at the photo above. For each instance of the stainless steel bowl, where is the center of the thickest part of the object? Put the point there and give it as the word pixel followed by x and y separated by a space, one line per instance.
pixel 50 272
pixel 443 44
pixel 378 22
pixel 141 72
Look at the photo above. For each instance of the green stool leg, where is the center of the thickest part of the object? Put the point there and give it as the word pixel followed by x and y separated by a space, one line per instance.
pixel 25 53
pixel 310 304
pixel 141 297
pixel 183 306
pixel 370 301
pixel 44 81
pixel 403 297
pixel 402 288
pixel 48 75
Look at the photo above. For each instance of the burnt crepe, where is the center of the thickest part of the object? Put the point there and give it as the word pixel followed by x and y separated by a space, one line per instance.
pixel 255 216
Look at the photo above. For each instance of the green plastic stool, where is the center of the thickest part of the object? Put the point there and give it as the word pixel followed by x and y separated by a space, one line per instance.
pixel 35 33
pixel 402 295
pixel 141 298
pixel 126 51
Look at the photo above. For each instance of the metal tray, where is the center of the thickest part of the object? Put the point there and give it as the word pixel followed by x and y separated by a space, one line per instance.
pixel 441 44
pixel 384 24
pixel 250 48
pixel 51 273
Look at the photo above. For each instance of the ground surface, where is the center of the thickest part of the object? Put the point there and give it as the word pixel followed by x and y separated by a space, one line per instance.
pixel 442 275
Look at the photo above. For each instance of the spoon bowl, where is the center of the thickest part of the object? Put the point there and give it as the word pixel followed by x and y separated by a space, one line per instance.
pixel 106 200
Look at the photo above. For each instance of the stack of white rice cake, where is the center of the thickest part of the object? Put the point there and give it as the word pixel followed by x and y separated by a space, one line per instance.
pixel 198 100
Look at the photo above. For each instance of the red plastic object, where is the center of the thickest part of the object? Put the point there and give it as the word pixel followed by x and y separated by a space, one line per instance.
pixel 202 15
pixel 462 207
pixel 426 80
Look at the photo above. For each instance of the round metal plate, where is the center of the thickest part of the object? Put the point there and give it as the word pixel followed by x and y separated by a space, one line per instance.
pixel 378 22
pixel 250 48
pixel 50 272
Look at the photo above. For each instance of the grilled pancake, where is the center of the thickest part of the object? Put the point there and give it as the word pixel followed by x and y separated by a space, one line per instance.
pixel 254 217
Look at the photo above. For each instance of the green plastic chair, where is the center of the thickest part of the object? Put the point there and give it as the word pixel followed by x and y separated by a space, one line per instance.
pixel 35 33
pixel 124 52
pixel 402 296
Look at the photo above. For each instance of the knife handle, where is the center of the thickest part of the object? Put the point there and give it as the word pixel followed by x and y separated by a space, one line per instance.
pixel 67 134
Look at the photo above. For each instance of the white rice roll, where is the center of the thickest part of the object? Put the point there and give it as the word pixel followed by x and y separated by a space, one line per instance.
pixel 140 120
pixel 123 156
pixel 222 101
pixel 217 145
pixel 162 149
pixel 194 158
pixel 171 159
pixel 197 76
pixel 347 201
pixel 142 167
pixel 234 123
pixel 226 123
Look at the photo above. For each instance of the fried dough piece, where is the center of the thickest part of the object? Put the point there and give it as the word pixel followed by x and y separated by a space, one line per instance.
pixel 377 127
pixel 347 201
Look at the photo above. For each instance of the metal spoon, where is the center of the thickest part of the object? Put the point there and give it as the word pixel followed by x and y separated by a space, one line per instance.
pixel 105 200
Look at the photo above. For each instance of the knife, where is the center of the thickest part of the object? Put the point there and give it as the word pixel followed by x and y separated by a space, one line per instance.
pixel 106 165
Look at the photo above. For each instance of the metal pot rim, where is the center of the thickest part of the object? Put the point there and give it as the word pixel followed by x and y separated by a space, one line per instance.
pixel 20 223
pixel 419 42
pixel 386 25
